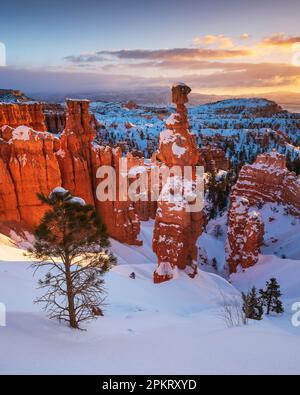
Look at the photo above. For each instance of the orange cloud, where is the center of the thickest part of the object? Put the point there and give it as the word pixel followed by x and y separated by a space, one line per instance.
pixel 220 41
pixel 280 39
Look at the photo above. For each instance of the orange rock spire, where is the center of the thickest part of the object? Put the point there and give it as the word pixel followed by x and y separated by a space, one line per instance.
pixel 176 228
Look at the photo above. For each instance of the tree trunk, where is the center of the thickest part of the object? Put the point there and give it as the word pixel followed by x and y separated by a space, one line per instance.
pixel 71 305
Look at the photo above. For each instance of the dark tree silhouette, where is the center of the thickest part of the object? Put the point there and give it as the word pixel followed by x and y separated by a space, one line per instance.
pixel 270 297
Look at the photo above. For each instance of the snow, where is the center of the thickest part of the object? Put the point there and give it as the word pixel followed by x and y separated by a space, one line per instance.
pixel 78 200
pixel 61 153
pixel 171 328
pixel 178 84
pixel 167 136
pixel 21 133
pixel 59 190
pixel 177 150
pixel 229 119
pixel 172 120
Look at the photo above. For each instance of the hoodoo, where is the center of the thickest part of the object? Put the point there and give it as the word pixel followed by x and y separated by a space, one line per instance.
pixel 267 180
pixel 176 226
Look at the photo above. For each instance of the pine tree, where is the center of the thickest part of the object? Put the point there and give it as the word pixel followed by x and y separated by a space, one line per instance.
pixel 71 243
pixel 252 305
pixel 270 297
pixel 214 263
pixel 218 231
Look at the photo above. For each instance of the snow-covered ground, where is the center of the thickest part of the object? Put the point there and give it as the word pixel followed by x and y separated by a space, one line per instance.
pixel 174 327
pixel 206 121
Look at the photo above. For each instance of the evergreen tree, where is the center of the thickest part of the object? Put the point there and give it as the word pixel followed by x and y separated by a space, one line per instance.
pixel 252 305
pixel 218 231
pixel 270 297
pixel 71 243
pixel 214 263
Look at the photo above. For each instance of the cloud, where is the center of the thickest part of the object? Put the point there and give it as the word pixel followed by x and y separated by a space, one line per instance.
pixel 85 58
pixel 245 36
pixel 266 75
pixel 158 55
pixel 219 41
pixel 222 76
pixel 280 39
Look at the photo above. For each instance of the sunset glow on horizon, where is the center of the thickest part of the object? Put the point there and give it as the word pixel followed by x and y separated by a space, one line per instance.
pixel 220 47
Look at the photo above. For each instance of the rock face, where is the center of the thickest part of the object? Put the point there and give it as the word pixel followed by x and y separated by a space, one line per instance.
pixel 55 117
pixel 34 161
pixel 27 165
pixel 176 228
pixel 30 115
pixel 119 216
pixel 245 234
pixel 267 180
pixel 74 151
pixel 144 206
pixel 214 159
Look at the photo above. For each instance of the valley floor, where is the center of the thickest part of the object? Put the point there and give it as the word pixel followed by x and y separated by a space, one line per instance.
pixel 171 328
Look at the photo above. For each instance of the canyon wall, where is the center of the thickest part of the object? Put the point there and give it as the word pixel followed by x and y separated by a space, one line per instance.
pixel 30 115
pixel 33 161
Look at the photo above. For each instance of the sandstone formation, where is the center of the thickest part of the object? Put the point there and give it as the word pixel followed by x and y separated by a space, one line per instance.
pixel 145 207
pixel 30 115
pixel 214 159
pixel 35 161
pixel 267 180
pixel 27 165
pixel 131 105
pixel 176 228
pixel 55 117
pixel 119 216
pixel 245 234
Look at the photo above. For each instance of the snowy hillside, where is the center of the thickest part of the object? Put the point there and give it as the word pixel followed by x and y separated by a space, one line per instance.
pixel 241 106
pixel 174 327
pixel 241 121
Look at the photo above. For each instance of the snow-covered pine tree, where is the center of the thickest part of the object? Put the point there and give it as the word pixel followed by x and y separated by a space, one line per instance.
pixel 270 297
pixel 71 244
pixel 252 305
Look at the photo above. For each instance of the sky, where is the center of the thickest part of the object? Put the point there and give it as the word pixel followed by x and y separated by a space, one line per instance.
pixel 216 46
